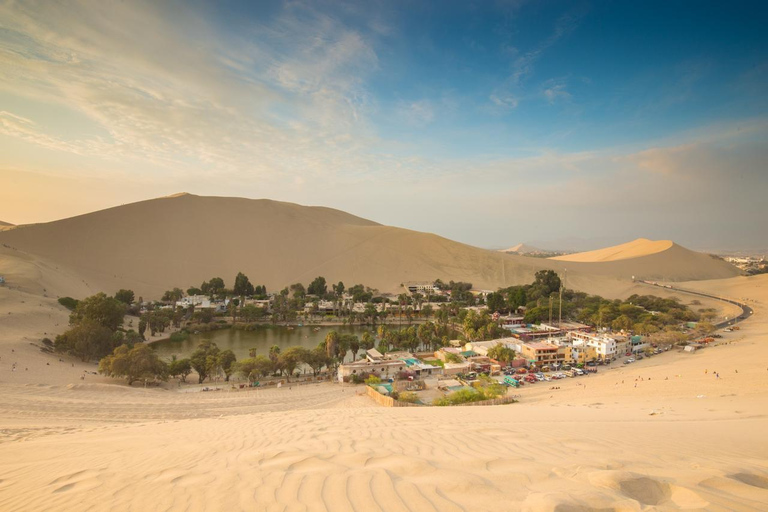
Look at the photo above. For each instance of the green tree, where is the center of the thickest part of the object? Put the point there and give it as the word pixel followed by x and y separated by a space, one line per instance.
pixel 180 368
pixel 173 296
pixel 125 296
pixel 298 291
pixel 354 345
pixel 254 367
pixel 274 354
pixel 205 360
pixel 106 311
pixel 331 344
pixel 87 340
pixel 316 359
pixel 501 353
pixel 243 286
pixel 227 362
pixel 213 287
pixel 496 303
pixel 623 322
pixel 292 358
pixel 318 287
pixel 143 325
pixel 139 362
pixel 194 291
pixel 367 341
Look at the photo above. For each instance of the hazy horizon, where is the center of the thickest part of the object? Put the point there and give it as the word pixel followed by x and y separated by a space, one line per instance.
pixel 489 124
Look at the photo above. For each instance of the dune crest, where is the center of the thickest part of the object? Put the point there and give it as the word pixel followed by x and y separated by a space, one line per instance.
pixel 634 249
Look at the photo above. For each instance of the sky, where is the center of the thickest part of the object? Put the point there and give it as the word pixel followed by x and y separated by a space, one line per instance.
pixel 487 122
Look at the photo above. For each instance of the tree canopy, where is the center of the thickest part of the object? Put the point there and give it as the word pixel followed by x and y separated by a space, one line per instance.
pixel 137 363
pixel 243 286
pixel 105 311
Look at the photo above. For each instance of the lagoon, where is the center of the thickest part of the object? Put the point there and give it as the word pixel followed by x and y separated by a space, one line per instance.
pixel 261 338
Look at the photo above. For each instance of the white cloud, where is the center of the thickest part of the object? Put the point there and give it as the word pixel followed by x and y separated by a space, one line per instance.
pixel 172 92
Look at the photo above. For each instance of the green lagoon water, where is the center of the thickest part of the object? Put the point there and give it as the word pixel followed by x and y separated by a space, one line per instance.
pixel 263 337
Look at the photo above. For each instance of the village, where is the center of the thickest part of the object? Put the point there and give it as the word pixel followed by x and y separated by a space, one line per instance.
pixel 541 353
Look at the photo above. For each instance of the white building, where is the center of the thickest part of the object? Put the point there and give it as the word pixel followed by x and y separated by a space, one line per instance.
pixel 427 288
pixel 199 301
pixel 605 346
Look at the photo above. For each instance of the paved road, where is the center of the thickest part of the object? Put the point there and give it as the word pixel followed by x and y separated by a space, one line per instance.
pixel 746 311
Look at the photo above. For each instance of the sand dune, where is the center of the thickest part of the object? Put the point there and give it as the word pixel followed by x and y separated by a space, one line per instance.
pixel 644 259
pixel 182 240
pixel 634 249
pixel 521 249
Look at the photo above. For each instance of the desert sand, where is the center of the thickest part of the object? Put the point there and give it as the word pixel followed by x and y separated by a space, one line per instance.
pixel 179 241
pixel 678 437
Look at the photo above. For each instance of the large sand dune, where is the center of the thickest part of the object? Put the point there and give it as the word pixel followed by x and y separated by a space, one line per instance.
pixel 660 260
pixel 634 249
pixel 182 240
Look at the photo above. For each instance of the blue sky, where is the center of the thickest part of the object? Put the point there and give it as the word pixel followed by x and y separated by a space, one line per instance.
pixel 435 116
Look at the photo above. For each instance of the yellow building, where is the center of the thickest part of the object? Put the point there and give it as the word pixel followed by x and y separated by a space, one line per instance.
pixel 541 353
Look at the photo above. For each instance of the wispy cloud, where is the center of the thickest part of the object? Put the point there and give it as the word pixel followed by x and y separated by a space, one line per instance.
pixel 287 97
pixel 508 95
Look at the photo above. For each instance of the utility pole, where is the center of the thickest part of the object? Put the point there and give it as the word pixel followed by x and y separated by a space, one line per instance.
pixel 550 310
pixel 562 287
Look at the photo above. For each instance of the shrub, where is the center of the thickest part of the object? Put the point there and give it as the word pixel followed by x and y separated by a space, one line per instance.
pixel 179 336
pixel 408 397
pixel 463 396
pixel 69 303
pixel 372 380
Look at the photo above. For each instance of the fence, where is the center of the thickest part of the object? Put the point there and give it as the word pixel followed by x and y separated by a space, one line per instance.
pixel 386 401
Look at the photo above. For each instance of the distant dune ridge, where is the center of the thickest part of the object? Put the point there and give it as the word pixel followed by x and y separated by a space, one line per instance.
pixel 181 240
pixel 521 249
pixel 6 225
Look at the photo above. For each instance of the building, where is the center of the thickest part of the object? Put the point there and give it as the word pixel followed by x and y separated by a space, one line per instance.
pixel 198 301
pixel 423 288
pixel 442 354
pixel 482 347
pixel 456 368
pixel 420 368
pixel 605 347
pixel 259 303
pixel 541 353
pixel 511 321
pixel 384 369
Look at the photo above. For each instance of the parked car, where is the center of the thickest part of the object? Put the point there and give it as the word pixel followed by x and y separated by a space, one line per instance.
pixel 630 360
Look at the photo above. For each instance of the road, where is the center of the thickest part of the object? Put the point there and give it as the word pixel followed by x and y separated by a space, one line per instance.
pixel 746 311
